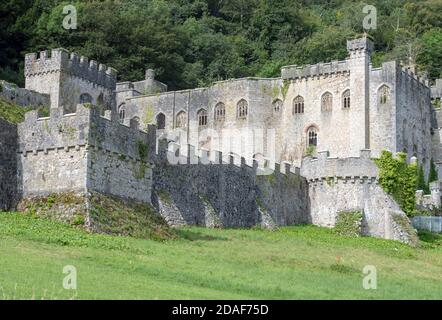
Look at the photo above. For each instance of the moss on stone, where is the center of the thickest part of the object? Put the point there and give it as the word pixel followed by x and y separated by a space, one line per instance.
pixel 348 223
pixel 285 87
pixel 405 226
pixel 12 112
pixel 114 216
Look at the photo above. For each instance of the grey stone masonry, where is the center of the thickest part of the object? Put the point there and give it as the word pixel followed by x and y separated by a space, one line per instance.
pixel 84 152
pixel 60 60
pixel 342 185
pixel 23 97
pixel 8 165
pixel 436 90
pixel 70 79
pixel 226 193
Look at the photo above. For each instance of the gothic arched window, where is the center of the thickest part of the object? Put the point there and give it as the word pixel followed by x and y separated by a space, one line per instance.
pixel 384 94
pixel 202 117
pixel 181 120
pixel 242 107
pixel 85 98
pixel 122 112
pixel 327 102
pixel 346 99
pixel 298 105
pixel 220 112
pixel 161 121
pixel 277 105
pixel 312 136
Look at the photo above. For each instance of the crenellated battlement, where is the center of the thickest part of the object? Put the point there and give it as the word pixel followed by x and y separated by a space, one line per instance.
pixel 173 152
pixel 348 170
pixel 407 72
pixel 60 60
pixel 85 128
pixel 317 70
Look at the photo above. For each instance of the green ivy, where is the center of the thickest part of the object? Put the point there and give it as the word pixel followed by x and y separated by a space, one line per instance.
pixel 433 173
pixel 421 183
pixel 398 179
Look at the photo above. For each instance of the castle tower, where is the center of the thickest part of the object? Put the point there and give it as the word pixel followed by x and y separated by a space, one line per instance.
pixel 70 79
pixel 359 66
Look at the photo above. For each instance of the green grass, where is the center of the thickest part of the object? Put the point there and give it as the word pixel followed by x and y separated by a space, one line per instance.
pixel 12 112
pixel 302 262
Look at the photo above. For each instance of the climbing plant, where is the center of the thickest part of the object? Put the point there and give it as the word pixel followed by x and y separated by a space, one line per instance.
pixel 433 173
pixel 399 179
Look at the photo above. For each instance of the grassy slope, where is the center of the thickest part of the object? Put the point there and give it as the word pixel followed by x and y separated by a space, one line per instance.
pixel 294 262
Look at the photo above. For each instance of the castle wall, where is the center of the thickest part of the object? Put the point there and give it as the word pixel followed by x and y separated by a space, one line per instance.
pixel 83 152
pixel 414 118
pixel 259 94
pixel 65 77
pixel 120 159
pixel 230 194
pixel 52 154
pixel 23 97
pixel 351 184
pixel 333 127
pixel 8 165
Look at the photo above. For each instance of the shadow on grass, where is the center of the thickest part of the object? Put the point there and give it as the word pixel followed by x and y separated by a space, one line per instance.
pixel 430 237
pixel 197 236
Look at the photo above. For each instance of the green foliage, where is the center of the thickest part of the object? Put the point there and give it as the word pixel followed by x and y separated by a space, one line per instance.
pixel 114 216
pixel 143 149
pixel 11 112
pixel 398 179
pixel 43 111
pixel 348 223
pixel 433 172
pixel 310 151
pixel 193 43
pixel 421 183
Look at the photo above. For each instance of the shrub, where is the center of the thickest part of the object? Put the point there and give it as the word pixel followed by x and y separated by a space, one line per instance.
pixel 349 223
pixel 398 179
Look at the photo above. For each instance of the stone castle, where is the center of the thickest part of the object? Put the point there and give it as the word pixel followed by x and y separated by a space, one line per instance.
pixel 242 152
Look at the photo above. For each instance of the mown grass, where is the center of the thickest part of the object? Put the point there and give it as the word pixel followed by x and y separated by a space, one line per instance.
pixel 302 262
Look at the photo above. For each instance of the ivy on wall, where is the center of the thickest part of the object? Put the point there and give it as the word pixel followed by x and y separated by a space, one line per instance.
pixel 398 178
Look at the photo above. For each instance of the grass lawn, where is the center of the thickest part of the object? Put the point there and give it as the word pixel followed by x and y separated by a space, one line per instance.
pixel 302 262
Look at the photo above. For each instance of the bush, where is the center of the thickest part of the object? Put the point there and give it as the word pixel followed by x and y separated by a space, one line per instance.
pixel 398 179
pixel 349 223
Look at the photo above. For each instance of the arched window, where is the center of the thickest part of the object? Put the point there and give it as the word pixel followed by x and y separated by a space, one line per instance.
pixel 384 94
pixel 312 136
pixel 242 109
pixel 161 121
pixel 277 105
pixel 220 112
pixel 85 98
pixel 327 102
pixel 181 120
pixel 100 100
pixel 298 105
pixel 346 99
pixel 202 117
pixel 122 112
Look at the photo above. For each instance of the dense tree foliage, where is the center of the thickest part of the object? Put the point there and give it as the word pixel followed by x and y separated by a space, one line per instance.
pixel 194 42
